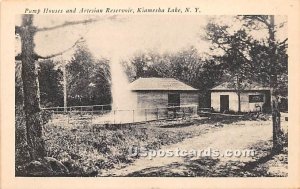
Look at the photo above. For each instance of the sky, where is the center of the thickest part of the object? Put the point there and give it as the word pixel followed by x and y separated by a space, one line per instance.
pixel 124 36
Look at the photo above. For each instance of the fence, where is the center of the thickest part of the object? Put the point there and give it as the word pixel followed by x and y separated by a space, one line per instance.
pixel 103 114
pixel 106 107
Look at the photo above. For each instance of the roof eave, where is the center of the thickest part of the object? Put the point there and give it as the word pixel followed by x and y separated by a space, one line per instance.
pixel 264 89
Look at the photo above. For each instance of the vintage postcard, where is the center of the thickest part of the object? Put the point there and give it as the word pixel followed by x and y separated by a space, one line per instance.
pixel 160 94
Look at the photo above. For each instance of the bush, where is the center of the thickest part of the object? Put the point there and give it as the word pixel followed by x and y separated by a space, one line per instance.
pixel 21 154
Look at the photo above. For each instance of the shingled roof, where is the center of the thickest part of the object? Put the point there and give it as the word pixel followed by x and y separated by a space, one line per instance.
pixel 246 86
pixel 159 84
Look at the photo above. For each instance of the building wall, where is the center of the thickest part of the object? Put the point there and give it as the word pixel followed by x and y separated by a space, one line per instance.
pixel 189 98
pixel 251 107
pixel 233 101
pixel 148 99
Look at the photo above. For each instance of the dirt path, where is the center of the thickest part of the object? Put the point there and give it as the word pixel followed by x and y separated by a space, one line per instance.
pixel 236 136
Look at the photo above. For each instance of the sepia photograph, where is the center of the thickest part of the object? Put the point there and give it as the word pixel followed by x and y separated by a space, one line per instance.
pixel 151 95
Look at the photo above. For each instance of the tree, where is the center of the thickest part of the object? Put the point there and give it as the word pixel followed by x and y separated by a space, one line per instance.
pixel 31 89
pixel 235 57
pixel 50 83
pixel 143 65
pixel 29 75
pixel 88 79
pixel 185 65
pixel 262 60
pixel 101 78
pixel 275 60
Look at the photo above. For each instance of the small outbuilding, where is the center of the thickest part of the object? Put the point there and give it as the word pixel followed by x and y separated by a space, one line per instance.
pixel 163 92
pixel 253 97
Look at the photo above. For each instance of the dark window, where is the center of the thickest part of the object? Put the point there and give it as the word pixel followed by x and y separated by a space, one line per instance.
pixel 256 98
pixel 174 99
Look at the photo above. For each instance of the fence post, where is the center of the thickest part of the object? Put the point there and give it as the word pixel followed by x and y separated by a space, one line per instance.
pixel 156 113
pixel 114 116
pixel 68 115
pixel 132 116
pixel 145 114
pixel 92 116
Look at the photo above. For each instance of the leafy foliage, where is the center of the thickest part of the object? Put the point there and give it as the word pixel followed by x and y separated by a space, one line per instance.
pixel 88 80
pixel 185 65
pixel 51 86
pixel 240 53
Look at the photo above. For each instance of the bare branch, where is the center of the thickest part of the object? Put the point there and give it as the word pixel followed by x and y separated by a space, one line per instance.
pixel 67 23
pixel 262 19
pixel 72 23
pixel 80 40
pixel 283 42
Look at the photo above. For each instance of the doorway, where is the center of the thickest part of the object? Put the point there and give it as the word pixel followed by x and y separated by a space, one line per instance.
pixel 224 103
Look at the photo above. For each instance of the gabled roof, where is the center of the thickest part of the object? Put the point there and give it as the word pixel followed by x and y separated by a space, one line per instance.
pixel 245 85
pixel 158 84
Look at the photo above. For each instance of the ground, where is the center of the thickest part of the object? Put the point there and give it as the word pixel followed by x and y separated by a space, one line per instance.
pixel 239 135
pixel 102 150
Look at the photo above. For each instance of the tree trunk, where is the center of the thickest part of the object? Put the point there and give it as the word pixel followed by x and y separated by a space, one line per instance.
pixel 31 90
pixel 273 84
pixel 239 102
pixel 65 86
pixel 238 92
pixel 276 124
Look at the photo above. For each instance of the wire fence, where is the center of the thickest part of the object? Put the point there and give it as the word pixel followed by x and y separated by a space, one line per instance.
pixel 105 107
pixel 103 114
